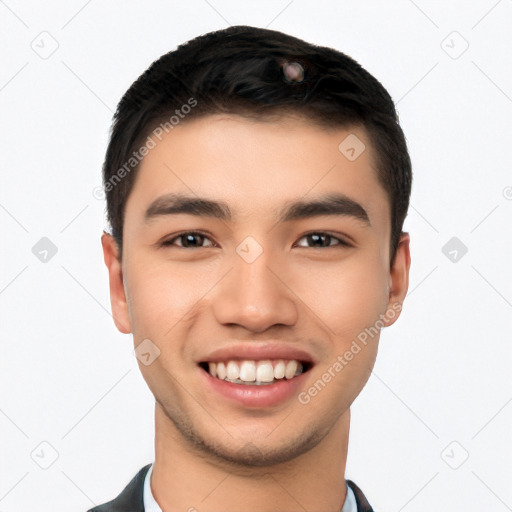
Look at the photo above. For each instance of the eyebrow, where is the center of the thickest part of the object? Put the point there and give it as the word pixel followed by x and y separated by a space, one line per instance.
pixel 330 204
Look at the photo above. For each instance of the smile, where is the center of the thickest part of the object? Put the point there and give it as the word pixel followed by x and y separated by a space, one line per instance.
pixel 255 383
pixel 256 373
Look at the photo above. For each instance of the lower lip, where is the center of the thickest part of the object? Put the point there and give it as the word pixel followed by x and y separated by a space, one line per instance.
pixel 254 395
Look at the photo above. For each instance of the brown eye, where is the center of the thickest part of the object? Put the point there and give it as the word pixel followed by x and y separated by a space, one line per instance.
pixel 323 240
pixel 190 240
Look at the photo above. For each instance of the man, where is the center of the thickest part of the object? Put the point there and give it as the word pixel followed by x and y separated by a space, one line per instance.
pixel 256 188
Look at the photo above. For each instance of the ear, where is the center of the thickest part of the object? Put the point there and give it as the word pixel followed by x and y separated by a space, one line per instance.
pixel 398 280
pixel 118 302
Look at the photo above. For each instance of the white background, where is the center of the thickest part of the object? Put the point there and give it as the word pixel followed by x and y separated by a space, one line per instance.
pixel 69 379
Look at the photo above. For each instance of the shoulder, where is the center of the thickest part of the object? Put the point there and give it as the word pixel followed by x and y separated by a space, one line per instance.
pixel 131 499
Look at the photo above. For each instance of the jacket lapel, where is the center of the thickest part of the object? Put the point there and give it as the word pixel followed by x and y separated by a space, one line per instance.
pixel 131 498
pixel 362 502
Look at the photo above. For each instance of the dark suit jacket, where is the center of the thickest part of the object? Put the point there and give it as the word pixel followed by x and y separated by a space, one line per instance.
pixel 132 497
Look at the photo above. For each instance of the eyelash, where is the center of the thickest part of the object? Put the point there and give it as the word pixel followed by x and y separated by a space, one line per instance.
pixel 169 243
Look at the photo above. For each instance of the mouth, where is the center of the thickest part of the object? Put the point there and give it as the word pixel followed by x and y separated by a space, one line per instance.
pixel 256 376
pixel 256 372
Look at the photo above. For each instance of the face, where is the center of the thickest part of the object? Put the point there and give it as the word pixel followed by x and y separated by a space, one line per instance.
pixel 251 282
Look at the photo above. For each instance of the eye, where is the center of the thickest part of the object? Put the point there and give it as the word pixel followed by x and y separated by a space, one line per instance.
pixel 190 239
pixel 317 238
pixel 195 239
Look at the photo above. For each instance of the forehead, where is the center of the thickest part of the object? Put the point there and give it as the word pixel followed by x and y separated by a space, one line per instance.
pixel 257 166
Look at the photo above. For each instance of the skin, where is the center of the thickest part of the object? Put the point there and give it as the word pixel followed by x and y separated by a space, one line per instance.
pixel 211 454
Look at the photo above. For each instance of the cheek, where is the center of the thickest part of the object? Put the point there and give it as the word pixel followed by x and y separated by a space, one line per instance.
pixel 161 295
pixel 348 296
pixel 349 300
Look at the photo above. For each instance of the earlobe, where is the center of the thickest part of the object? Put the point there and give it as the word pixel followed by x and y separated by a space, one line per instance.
pixel 399 280
pixel 120 312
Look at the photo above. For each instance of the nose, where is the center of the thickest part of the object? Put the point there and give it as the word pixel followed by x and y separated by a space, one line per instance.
pixel 255 295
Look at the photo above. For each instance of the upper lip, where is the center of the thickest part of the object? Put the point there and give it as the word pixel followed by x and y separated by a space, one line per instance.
pixel 258 352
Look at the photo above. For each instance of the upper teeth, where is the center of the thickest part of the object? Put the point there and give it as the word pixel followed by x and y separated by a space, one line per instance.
pixel 255 371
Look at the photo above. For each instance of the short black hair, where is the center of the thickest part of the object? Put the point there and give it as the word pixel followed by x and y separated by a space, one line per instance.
pixel 239 70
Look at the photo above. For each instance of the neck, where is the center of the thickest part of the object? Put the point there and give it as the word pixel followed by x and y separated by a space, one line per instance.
pixel 185 480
